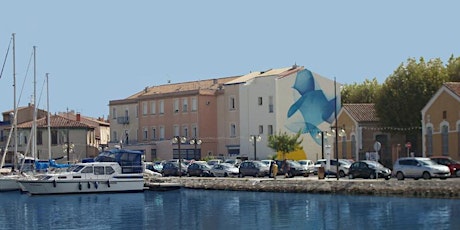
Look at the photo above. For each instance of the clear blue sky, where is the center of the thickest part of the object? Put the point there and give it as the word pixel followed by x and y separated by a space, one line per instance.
pixel 97 51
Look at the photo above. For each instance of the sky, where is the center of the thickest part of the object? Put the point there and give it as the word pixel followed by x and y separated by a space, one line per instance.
pixel 98 51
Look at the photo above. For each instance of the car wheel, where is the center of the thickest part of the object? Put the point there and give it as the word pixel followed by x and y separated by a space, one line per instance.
pixel 225 175
pixel 341 173
pixel 426 175
pixel 372 176
pixel 400 176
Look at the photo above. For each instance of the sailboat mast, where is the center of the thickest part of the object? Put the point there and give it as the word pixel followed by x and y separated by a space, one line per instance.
pixel 49 118
pixel 15 109
pixel 34 123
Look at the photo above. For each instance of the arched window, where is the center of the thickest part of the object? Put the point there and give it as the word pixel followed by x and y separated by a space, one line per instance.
pixel 429 141
pixel 445 140
pixel 344 147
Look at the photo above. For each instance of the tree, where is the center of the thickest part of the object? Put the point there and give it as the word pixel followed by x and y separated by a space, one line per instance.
pixel 285 143
pixel 360 93
pixel 453 69
pixel 405 92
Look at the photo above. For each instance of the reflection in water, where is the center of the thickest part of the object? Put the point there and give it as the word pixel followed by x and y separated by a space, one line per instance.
pixel 206 209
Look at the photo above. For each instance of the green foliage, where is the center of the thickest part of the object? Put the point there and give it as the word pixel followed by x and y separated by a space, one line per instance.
pixel 285 143
pixel 360 93
pixel 406 92
pixel 453 69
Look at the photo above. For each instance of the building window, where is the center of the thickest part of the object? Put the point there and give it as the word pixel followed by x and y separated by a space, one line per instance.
pixel 445 140
pixel 154 133
pixel 270 104
pixel 232 104
pixel 194 104
pixel 114 113
pixel 259 100
pixel 153 107
pixel 114 136
pixel 176 105
pixel 137 111
pixel 176 130
pixel 162 107
pixel 126 113
pixel 144 108
pixel 270 130
pixel 54 137
pixel 184 104
pixel 39 137
pixel 185 131
pixel 194 131
pixel 146 133
pixel 153 154
pixel 429 141
pixel 444 115
pixel 162 132
pixel 232 130
pixel 261 129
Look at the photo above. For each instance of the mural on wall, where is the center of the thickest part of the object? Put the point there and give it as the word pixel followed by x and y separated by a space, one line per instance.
pixel 314 103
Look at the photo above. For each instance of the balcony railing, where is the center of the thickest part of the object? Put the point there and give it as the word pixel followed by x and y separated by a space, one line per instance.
pixel 123 120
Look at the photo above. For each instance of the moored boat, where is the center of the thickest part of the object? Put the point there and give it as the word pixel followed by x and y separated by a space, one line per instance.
pixel 116 170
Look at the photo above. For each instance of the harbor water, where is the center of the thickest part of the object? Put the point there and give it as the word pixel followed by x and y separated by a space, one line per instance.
pixel 209 209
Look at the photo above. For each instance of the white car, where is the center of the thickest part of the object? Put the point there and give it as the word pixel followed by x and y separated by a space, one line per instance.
pixel 344 166
pixel 419 167
pixel 308 165
pixel 224 170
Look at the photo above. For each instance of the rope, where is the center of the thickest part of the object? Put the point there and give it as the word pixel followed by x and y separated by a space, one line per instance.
pixel 6 56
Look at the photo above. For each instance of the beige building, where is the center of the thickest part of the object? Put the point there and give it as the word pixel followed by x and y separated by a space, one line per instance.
pixel 441 122
pixel 360 131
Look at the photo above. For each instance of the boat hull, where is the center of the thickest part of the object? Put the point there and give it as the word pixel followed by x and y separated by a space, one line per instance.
pixel 9 183
pixel 42 187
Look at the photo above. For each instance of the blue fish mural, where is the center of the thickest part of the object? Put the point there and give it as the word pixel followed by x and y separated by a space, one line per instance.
pixel 313 105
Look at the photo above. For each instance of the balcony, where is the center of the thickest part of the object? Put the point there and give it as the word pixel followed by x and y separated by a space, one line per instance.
pixel 123 120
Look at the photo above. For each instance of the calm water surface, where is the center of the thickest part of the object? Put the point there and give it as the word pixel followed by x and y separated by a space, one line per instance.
pixel 204 209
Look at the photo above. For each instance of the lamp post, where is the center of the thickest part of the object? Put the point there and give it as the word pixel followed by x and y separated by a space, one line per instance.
pixel 322 134
pixel 254 139
pixel 179 140
pixel 195 142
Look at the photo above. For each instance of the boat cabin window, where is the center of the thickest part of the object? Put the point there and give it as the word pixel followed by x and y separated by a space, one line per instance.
pixel 109 170
pixel 88 169
pixel 98 170
pixel 76 168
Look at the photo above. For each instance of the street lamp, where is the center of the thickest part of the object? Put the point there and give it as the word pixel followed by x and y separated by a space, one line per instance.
pixel 195 142
pixel 179 140
pixel 254 139
pixel 321 134
pixel 68 148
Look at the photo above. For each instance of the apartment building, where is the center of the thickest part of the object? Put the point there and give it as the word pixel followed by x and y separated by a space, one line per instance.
pixel 231 117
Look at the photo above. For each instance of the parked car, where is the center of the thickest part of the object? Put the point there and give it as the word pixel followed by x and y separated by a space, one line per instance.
pixel 214 161
pixel 199 169
pixel 154 166
pixel 344 166
pixel 267 162
pixel 419 167
pixel 172 169
pixel 294 168
pixel 253 168
pixel 454 166
pixel 308 165
pixel 224 170
pixel 235 162
pixel 368 169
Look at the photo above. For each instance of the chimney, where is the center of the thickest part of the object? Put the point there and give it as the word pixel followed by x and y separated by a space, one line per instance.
pixel 78 116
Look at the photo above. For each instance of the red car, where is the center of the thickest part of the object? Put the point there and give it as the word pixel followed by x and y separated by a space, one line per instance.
pixel 453 165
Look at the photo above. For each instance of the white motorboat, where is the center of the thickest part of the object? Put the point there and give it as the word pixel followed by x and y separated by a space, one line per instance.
pixel 116 170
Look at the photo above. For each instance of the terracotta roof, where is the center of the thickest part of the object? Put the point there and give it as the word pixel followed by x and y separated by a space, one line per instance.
pixel 93 122
pixel 453 86
pixel 364 112
pixel 56 122
pixel 203 85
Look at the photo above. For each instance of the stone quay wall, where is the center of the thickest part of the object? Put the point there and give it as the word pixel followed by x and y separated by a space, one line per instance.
pixel 433 188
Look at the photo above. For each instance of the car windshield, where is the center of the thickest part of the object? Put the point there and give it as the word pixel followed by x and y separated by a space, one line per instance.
pixel 374 164
pixel 427 162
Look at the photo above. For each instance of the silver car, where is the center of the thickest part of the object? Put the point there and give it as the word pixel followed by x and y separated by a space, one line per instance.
pixel 419 167
pixel 224 170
